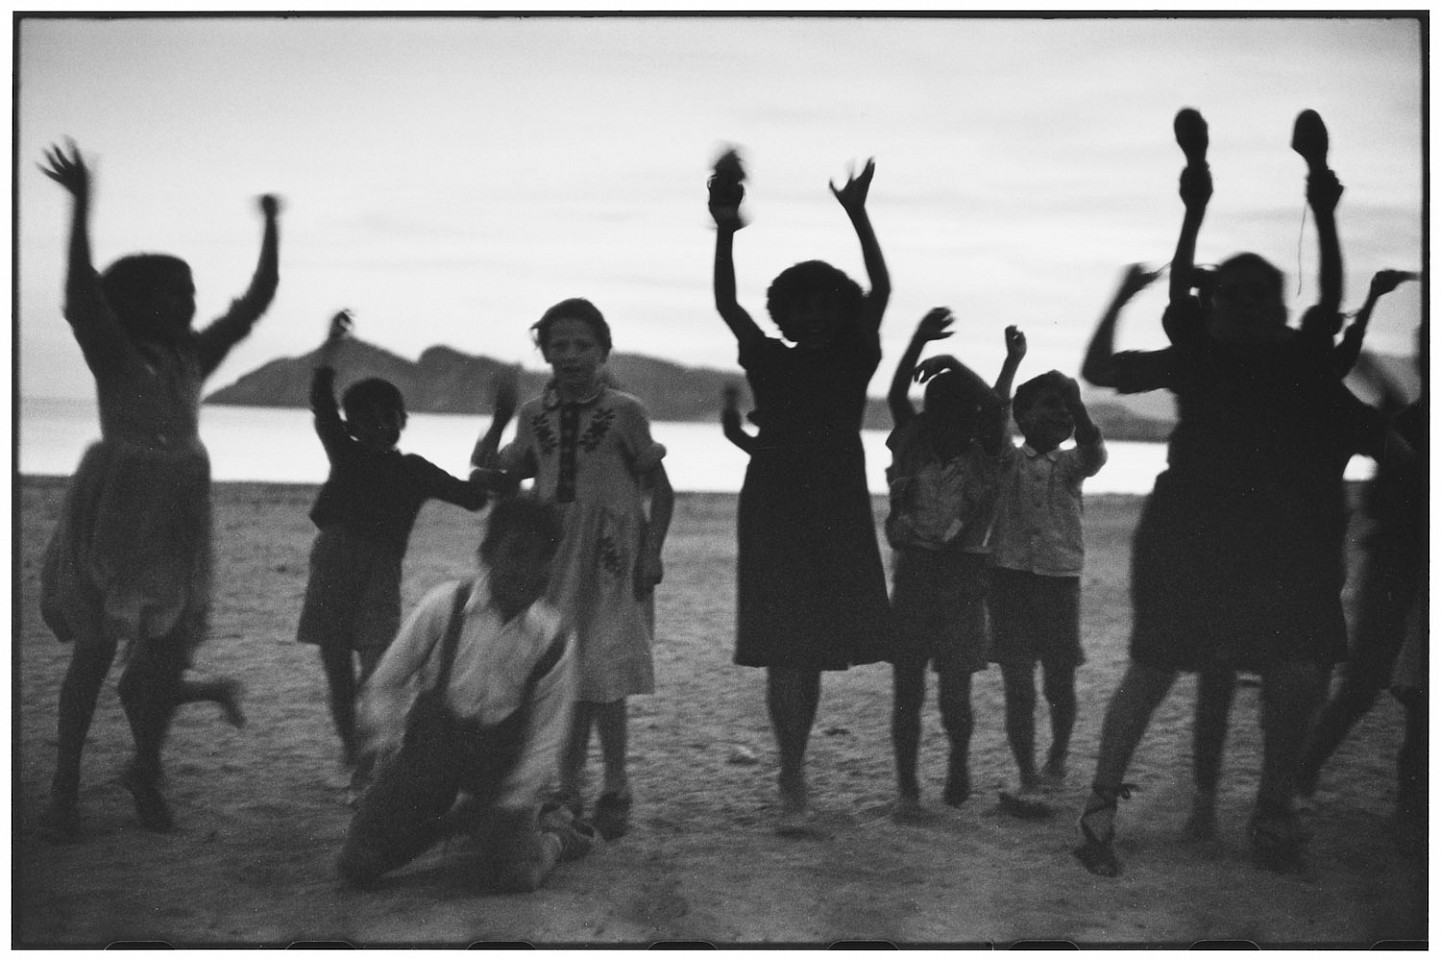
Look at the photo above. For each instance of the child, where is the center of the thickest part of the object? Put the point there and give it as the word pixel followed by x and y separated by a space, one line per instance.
pixel 943 483
pixel 811 590
pixel 590 449
pixel 498 675
pixel 364 512
pixel 128 567
pixel 1037 551
pixel 1236 562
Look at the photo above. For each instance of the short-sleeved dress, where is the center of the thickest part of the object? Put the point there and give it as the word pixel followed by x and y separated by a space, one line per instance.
pixel 1237 559
pixel 130 558
pixel 589 458
pixel 811 590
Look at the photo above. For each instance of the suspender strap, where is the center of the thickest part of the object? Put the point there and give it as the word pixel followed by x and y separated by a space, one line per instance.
pixel 451 639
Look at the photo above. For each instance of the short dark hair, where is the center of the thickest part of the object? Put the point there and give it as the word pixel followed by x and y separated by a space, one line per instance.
pixel 1028 392
pixel 1272 273
pixel 512 516
pixel 372 391
pixel 130 287
pixel 804 280
pixel 576 308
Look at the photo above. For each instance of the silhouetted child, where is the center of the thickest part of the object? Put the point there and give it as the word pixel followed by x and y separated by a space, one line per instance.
pixel 590 450
pixel 1037 552
pixel 129 565
pixel 811 590
pixel 1393 586
pixel 1236 563
pixel 944 478
pixel 474 697
pixel 364 511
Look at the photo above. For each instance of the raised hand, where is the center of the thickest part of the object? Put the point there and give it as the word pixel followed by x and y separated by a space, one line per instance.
pixel 853 195
pixel 1136 279
pixel 1196 186
pixel 269 205
pixel 340 326
pixel 1310 140
pixel 1387 280
pixel 935 325
pixel 1015 344
pixel 726 189
pixel 931 366
pixel 68 171
pixel 1323 190
pixel 1191 135
pixel 506 391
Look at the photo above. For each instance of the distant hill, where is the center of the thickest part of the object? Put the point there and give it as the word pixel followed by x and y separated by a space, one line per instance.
pixel 444 380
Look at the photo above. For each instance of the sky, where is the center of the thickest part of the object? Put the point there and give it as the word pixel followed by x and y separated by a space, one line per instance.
pixel 448 178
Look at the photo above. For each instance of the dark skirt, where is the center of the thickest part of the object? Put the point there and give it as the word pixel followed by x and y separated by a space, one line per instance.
pixel 811 589
pixel 1235 578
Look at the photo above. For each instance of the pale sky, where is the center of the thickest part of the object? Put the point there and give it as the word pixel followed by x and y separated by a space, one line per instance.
pixel 449 178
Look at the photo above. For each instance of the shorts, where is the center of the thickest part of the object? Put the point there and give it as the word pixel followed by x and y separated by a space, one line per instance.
pixel 1035 618
pixel 352 599
pixel 939 604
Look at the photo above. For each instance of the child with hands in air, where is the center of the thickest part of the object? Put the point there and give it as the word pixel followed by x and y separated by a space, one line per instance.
pixel 128 568
pixel 811 592
pixel 944 479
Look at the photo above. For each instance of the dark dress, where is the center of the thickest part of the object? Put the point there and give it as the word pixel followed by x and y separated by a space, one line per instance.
pixel 1238 556
pixel 811 590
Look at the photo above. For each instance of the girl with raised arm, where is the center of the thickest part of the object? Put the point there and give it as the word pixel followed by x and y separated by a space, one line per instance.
pixel 128 568
pixel 811 591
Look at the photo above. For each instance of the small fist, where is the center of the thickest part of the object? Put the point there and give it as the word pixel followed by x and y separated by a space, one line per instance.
pixel 269 204
pixel 1138 278
pixel 340 326
pixel 1387 280
pixel 1015 343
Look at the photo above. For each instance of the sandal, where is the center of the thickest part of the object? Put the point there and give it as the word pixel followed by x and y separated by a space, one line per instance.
pixel 1096 853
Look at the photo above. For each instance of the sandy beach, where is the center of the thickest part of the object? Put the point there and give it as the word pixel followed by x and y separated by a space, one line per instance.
pixel 261 810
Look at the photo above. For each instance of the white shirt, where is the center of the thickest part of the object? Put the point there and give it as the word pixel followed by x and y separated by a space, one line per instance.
pixel 493 659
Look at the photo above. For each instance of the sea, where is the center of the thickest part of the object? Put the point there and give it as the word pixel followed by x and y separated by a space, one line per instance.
pixel 278 445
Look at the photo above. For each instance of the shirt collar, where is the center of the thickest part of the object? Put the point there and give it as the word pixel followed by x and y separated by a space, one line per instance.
pixel 550 397
pixel 1033 453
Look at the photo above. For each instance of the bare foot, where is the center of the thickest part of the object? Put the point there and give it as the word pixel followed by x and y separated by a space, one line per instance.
pixel 150 805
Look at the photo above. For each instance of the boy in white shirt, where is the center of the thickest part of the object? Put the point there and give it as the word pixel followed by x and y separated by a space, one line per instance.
pixel 494 731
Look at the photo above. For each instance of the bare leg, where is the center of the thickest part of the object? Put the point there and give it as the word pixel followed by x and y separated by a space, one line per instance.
pixel 89 663
pixel 908 686
pixel 610 724
pixel 1214 691
pixel 148 690
pixel 1059 689
pixel 573 754
pixel 793 695
pixel 1020 684
pixel 1127 716
pixel 339 664
pixel 225 691
pixel 1290 692
pixel 954 694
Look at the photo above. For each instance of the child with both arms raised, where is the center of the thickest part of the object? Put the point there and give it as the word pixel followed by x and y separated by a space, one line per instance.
pixel 943 482
pixel 1037 552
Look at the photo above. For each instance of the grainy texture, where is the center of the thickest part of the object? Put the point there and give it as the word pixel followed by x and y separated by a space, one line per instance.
pixel 261 811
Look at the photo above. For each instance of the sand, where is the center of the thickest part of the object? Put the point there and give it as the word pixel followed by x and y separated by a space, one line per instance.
pixel 261 810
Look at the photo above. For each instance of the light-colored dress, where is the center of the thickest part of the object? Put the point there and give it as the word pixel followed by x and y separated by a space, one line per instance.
pixel 589 459
pixel 129 560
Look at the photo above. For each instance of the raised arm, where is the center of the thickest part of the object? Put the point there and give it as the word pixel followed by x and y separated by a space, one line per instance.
pixel 1099 368
pixel 484 456
pixel 94 324
pixel 1193 138
pixel 852 197
pixel 725 194
pixel 1323 192
pixel 1015 353
pixel 215 341
pixel 1349 349
pixel 1089 445
pixel 328 425
pixel 935 325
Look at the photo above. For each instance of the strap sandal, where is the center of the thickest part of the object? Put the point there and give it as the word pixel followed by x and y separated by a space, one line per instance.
pixel 1097 853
